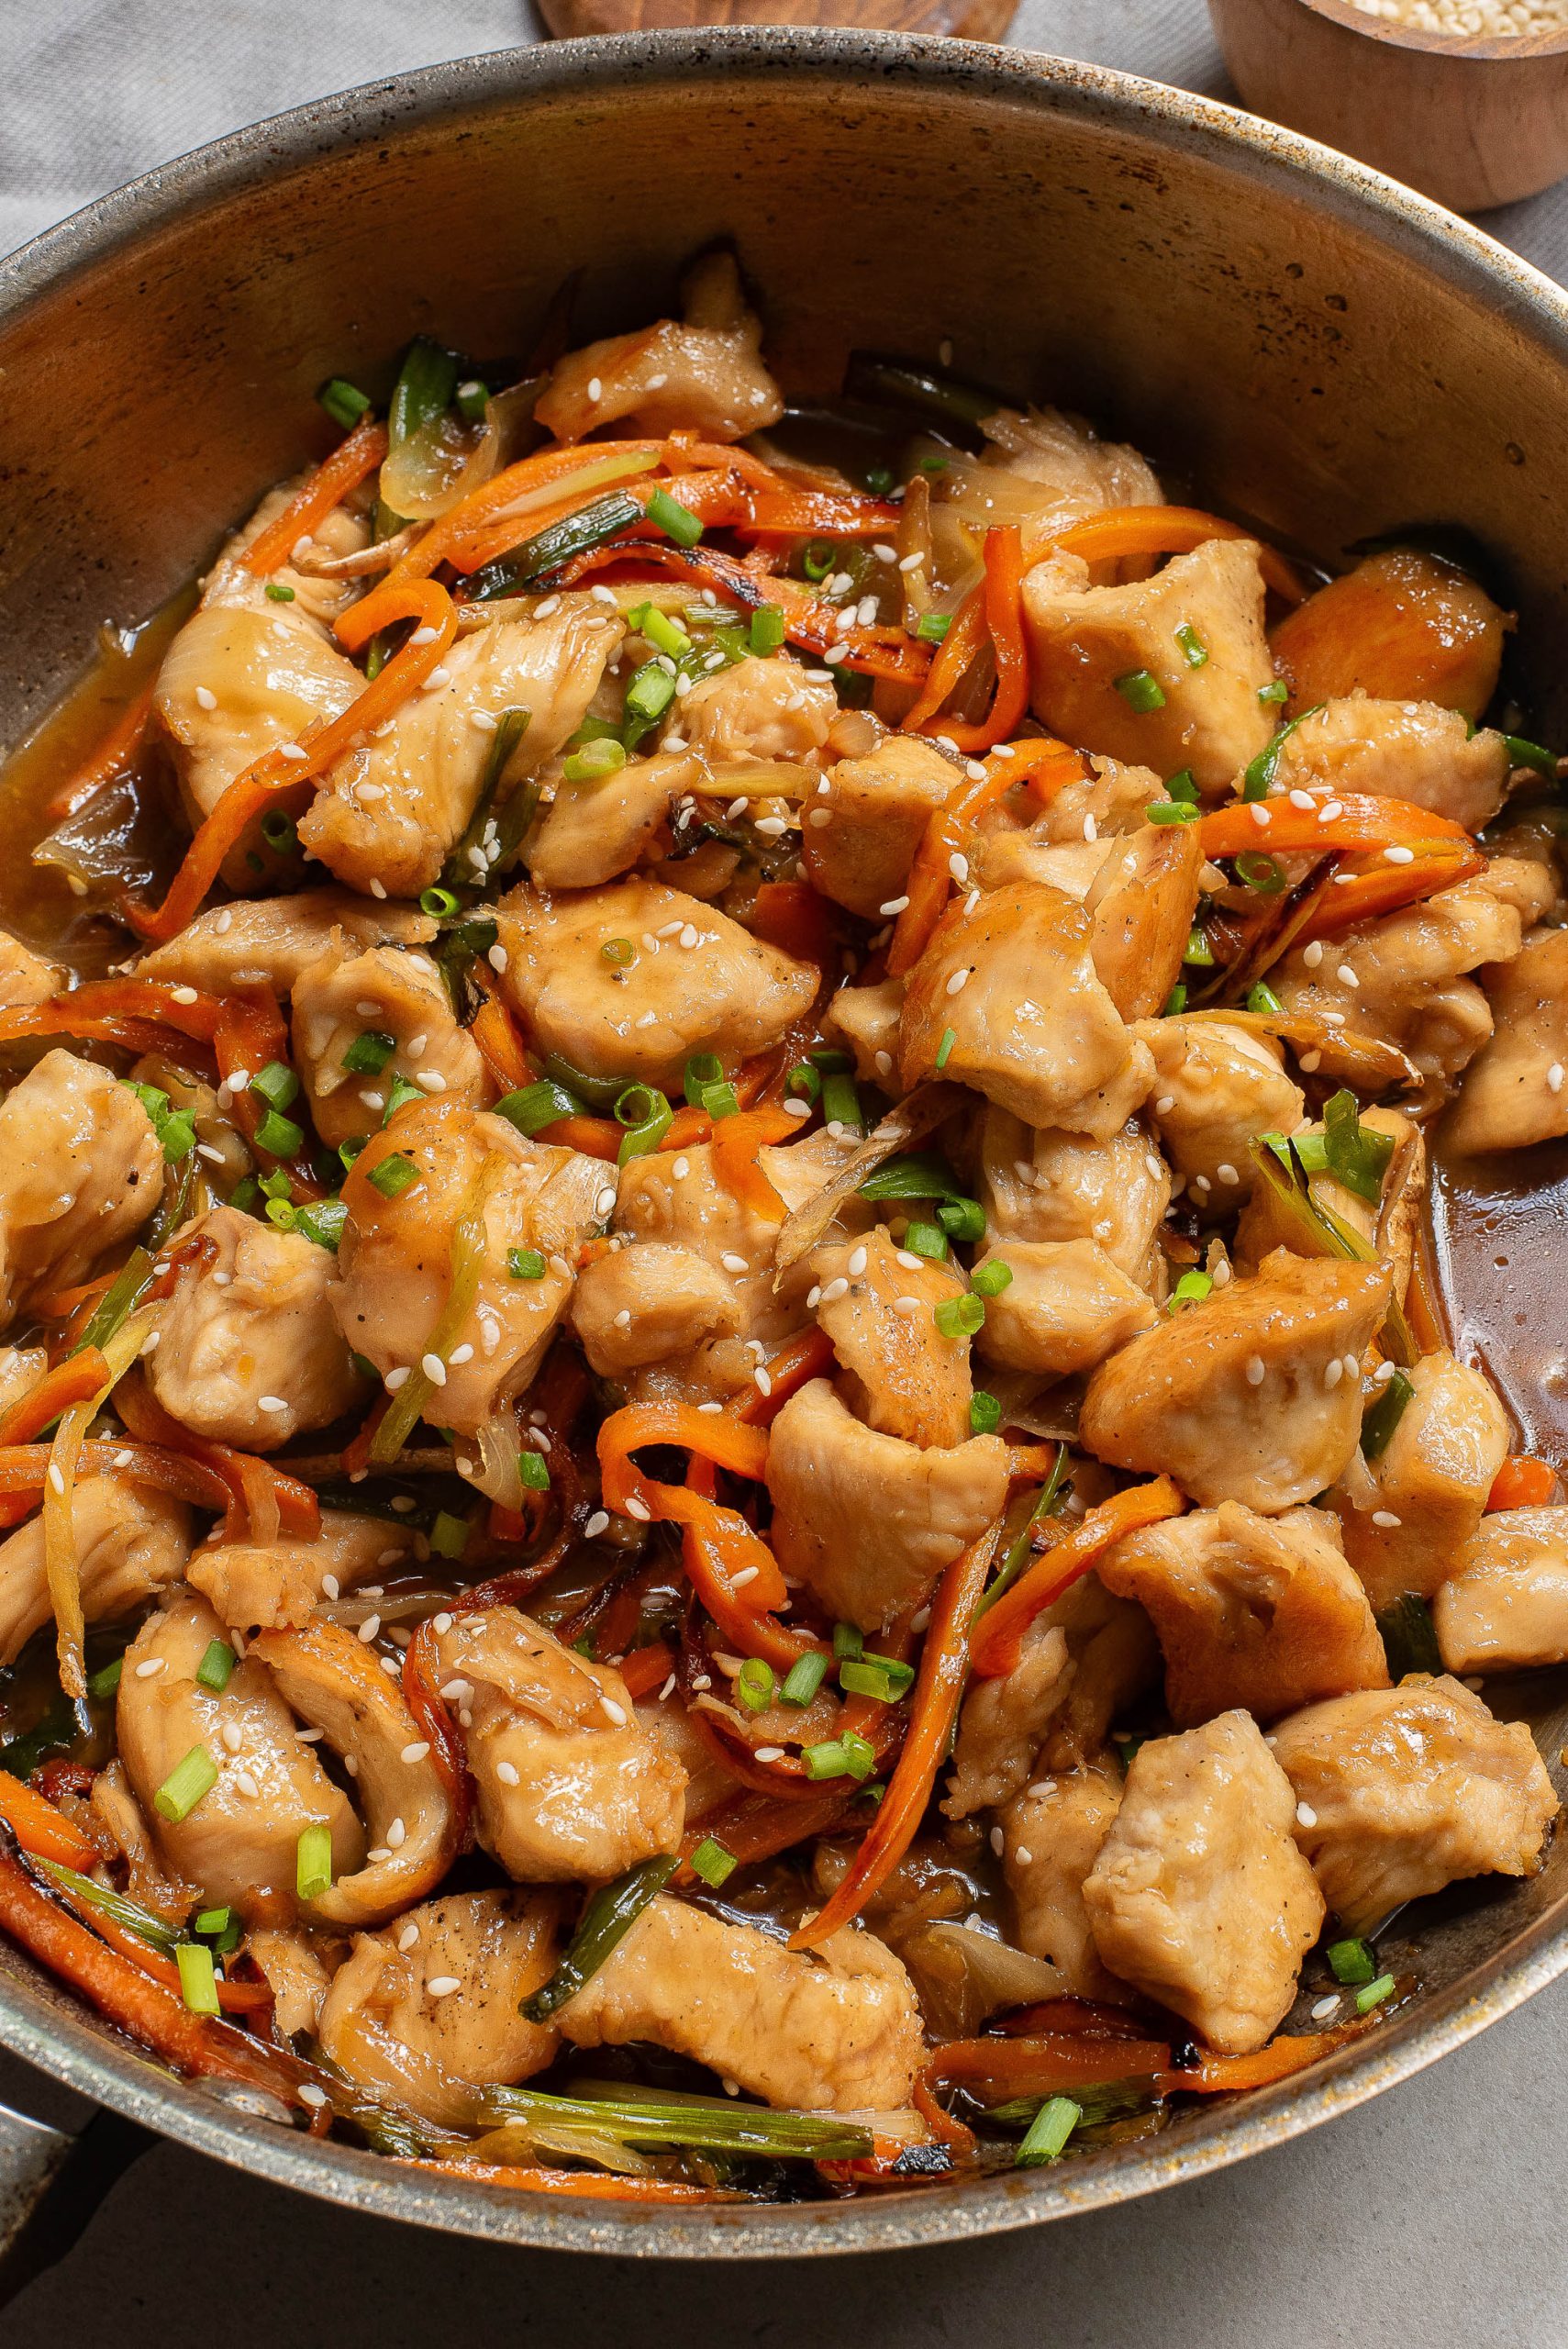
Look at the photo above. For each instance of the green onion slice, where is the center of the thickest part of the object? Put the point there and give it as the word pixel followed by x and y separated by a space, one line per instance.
pixel 607 1916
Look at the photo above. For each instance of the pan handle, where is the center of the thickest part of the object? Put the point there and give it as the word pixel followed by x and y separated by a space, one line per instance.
pixel 51 2184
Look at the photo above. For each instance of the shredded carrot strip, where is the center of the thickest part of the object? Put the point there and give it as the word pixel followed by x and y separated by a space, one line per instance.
pixel 1000 606
pixel 500 1046
pixel 1134 531
pixel 962 644
pixel 1357 893
pixel 1360 821
pixel 1228 2075
pixel 265 1499
pixel 344 469
pixel 42 1829
pixel 646 1669
pixel 421 1694
pixel 234 1998
pixel 998 1637
pixel 793 1367
pixel 118 750
pixel 275 774
pixel 933 1708
pixel 736 1142
pixel 76 1380
pixel 1046 766
pixel 1522 1483
pixel 994 2071
pixel 591 2184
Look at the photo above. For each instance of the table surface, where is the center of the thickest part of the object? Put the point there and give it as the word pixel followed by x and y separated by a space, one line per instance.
pixel 1430 2211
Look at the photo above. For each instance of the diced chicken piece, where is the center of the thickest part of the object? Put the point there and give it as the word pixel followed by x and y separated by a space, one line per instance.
pixel 27 978
pixel 1051 1835
pixel 389 814
pixel 270 1586
pixel 867 1521
pixel 1142 903
pixel 1065 1308
pixel 1514 1092
pixel 333 1683
pixel 79 1169
pixel 640 1305
pixel 1071 472
pixel 1257 1613
pixel 1402 624
pixel 1199 1896
pixel 391 996
pixel 1085 643
pixel 1402 1791
pixel 1058 1186
pixel 1116 1660
pixel 866 1020
pixel 593 833
pixel 1245 1396
pixel 836 2029
pixel 703 375
pixel 1392 1225
pixel 21 1367
pixel 1033 1027
pixel 1398 749
pixel 877 1306
pixel 296 1975
pixel 1409 1513
pixel 270 941
pixel 392 1270
pixel 250 1353
pixel 665 1719
pixel 130 1542
pixel 880 805
pixel 1505 1607
pixel 427 2012
pixel 240 1842
pixel 1112 798
pixel 1216 1088
pixel 758 709
pixel 572 1788
pixel 1072 866
pixel 720 991
pixel 1004 1723
pixel 1406 979
pixel 675 1199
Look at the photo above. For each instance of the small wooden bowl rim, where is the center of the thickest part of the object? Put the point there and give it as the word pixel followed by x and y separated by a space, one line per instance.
pixel 1481 50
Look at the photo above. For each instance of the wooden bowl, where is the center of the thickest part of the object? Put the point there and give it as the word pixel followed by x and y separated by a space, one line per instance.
pixel 1473 122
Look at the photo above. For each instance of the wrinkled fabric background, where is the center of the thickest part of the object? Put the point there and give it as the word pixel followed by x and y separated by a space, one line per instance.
pixel 1427 2220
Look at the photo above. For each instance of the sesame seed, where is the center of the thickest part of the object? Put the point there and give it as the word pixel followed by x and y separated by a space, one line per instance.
pixel 507 1773
pixel 1256 1370
pixel 1312 955
pixel 835 1289
pixel 958 981
pixel 893 905
pixel 417 1751
pixel 1304 1815
pixel 759 1753
pixel 1261 815
pixel 1227 1173
pixel 613 1712
pixel 604 1203
pixel 1323 2007
pixel 639 1510
pixel 407 1938
pixel 1398 855
pixel 1333 1372
pixel 1091 830
pixel 733 1263
pixel 369 1629
pixel 232 1738
pixel 434 1368
pixel 55 1480
pixel 907 1305
pixel 271 1403
pixel 1346 976
pixel 152 1664
pixel 1554 1077
pixel 441 1986
pixel 857 1264
pixel 247 1783
pixel 997 1841
pixel 378 888
pixel 1386 1519
pixel 1165 1104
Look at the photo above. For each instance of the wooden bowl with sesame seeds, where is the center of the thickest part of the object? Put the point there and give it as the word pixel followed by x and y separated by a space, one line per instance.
pixel 1475 120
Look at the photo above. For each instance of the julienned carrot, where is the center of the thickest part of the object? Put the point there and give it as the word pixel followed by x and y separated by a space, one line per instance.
pixel 116 750
pixel 75 1380
pixel 646 1669
pixel 1230 2074
pixel 344 469
pixel 963 643
pixel 24 1466
pixel 1354 820
pixel 793 1367
pixel 933 1708
pixel 736 1142
pixel 817 513
pixel 501 1047
pixel 1522 1483
pixel 593 2185
pixel 1046 764
pixel 284 770
pixel 995 2071
pixel 42 1829
pixel 1359 892
pixel 1136 531
pixel 421 1693
pixel 998 1636
pixel 234 1998
pixel 1001 608
pixel 117 1011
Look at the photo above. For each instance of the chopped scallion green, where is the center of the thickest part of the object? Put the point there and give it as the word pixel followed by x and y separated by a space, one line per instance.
pixel 343 401
pixel 959 1316
pixel 449 1535
pixel 932 627
pixel 187 1782
pixel 368 1053
pixel 713 1863
pixel 1261 997
pixel 1141 691
pixel 755 1684
pixel 525 1265
pixel 1194 651
pixel 199 1977
pixel 984 1413
pixel 849 1640
pixel 533 1471
pixel 594 760
pixel 804 1678
pixel 1048 2132
pixel 215 1665
pixel 312 1862
pixel 926 1239
pixel 766 632
pixel 1375 1993
pixel 944 1050
pixel 676 521
pixel 990 1280
pixel 1351 1962
pixel 280 1137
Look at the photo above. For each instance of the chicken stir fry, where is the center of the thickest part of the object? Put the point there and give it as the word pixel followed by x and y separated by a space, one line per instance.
pixel 730 1461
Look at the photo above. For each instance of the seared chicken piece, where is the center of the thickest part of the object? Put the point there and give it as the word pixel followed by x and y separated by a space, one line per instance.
pixel 269 941
pixel 1392 1225
pixel 80 1168
pixel 1003 1723
pixel 27 978
pixel 1116 1659
pixel 1051 1835
pixel 642 1304
pixel 1033 1027
pixel 1072 866
pixel 836 2029
pixel 130 1543
pixel 1142 902
pixel 1403 978
pixel 240 1842
pixel 1055 1186
pixel 1505 1607
pixel 866 1019
pixel 388 815
pixel 331 1679
pixel 1401 1790
pixel 1257 1613
pixel 1514 1092
pixel 1111 798
pixel 1398 749
pixel 879 807
pixel 392 997
pixel 867 1521
pixel 296 1975
pixel 1065 1308
pixel 427 2011
pixel 250 1353
pixel 272 1586
pixel 1091 648
pixel 1216 1089
pixel 571 1785
pixel 594 831
pixel 1254 1394
pixel 1199 1896
pixel 699 982
pixel 758 709
pixel 1050 469
pixel 392 1271
pixel 1402 624
pixel 703 375
pixel 877 1306
pixel 1409 1513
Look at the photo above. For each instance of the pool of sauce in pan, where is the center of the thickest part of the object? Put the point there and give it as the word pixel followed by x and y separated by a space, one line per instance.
pixel 1500 1240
